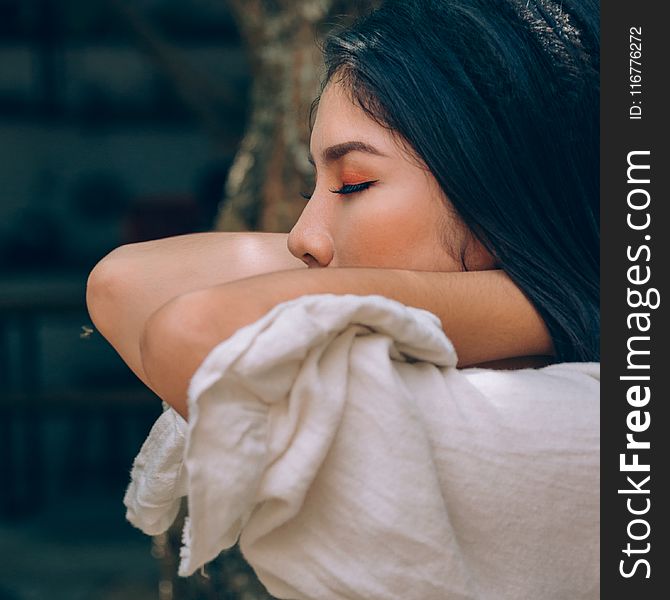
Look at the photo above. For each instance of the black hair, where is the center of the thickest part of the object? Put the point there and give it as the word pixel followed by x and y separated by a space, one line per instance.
pixel 500 100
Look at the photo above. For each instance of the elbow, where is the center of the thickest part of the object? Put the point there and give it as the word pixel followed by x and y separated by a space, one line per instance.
pixel 100 289
pixel 107 284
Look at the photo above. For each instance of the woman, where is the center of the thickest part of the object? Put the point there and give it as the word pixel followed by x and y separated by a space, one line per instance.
pixel 456 152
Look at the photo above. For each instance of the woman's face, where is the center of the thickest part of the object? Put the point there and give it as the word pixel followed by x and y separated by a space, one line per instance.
pixel 374 204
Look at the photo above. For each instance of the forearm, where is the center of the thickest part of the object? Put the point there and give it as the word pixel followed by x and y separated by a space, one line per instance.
pixel 135 280
pixel 484 314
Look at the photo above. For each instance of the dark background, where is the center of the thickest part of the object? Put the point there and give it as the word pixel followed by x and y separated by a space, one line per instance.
pixel 119 122
pixel 100 145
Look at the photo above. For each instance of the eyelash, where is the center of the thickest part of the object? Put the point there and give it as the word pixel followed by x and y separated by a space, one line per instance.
pixel 347 188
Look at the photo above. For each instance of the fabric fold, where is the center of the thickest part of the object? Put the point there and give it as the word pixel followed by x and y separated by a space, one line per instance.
pixel 158 479
pixel 278 387
pixel 337 441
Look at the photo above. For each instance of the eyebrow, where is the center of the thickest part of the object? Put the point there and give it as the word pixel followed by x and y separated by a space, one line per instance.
pixel 336 152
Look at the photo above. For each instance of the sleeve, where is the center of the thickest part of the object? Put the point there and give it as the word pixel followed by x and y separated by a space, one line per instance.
pixel 279 455
pixel 158 479
pixel 336 440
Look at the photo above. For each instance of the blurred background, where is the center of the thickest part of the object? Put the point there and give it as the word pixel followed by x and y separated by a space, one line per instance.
pixel 124 121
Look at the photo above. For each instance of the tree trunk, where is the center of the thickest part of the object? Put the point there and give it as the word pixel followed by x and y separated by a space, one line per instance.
pixel 271 167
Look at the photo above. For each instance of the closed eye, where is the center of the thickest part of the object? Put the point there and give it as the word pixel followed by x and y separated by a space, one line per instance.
pixel 352 188
pixel 347 188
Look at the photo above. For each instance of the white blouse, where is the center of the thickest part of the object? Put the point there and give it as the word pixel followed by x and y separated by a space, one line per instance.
pixel 336 439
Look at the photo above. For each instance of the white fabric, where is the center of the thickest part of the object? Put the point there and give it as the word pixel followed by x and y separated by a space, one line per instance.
pixel 337 440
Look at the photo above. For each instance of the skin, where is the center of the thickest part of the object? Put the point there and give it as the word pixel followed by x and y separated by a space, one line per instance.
pixel 396 235
pixel 402 220
pixel 151 280
pixel 133 281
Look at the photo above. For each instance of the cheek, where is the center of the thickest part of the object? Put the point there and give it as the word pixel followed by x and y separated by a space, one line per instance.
pixel 387 230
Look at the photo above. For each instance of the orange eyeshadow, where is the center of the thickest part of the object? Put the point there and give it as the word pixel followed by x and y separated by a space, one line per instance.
pixel 354 177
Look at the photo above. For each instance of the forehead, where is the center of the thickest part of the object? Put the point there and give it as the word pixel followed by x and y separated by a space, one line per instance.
pixel 339 120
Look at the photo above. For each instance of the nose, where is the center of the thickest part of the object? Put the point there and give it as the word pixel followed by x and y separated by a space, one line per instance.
pixel 310 239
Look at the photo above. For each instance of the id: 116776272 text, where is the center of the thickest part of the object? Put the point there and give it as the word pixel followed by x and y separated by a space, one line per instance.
pixel 635 72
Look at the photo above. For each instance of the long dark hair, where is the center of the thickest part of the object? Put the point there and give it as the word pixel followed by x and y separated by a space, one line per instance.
pixel 500 100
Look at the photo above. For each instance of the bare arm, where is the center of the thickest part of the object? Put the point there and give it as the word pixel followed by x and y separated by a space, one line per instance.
pixel 135 280
pixel 483 312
